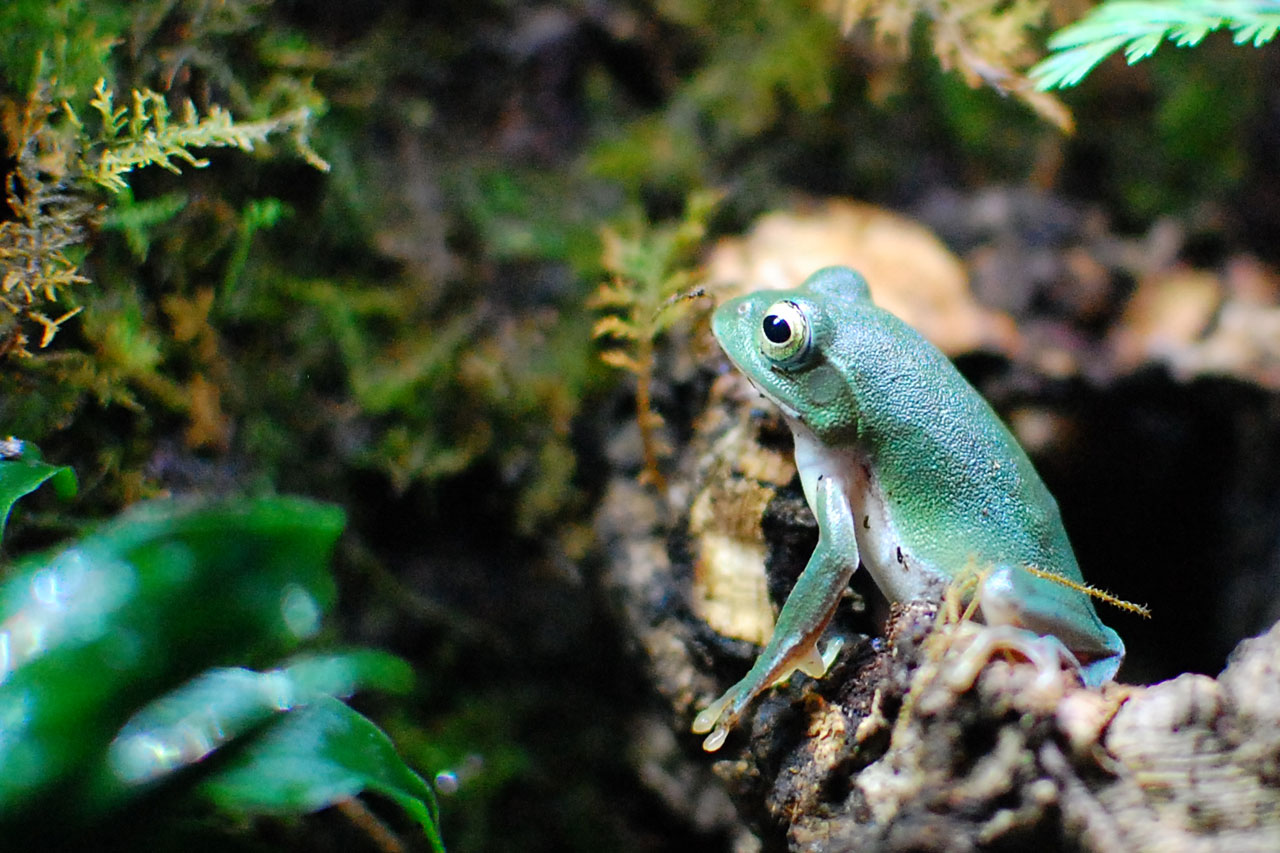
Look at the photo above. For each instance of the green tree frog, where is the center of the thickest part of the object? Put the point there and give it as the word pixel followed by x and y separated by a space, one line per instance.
pixel 911 474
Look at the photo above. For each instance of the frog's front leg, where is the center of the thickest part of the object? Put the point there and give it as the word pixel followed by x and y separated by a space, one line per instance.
pixel 804 616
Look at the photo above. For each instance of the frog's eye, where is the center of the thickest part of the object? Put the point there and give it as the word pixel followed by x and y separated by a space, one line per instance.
pixel 784 332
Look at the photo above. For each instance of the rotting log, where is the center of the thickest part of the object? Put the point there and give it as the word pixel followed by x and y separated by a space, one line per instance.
pixel 1189 764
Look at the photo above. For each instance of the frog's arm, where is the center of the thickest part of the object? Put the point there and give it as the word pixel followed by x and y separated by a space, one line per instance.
pixel 813 600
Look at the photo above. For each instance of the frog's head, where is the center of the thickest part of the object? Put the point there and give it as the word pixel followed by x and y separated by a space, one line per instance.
pixel 785 341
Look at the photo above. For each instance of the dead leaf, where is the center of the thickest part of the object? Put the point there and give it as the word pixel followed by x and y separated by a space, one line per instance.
pixel 910 271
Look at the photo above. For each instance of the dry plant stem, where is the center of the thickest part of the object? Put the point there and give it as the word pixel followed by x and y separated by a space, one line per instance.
pixel 358 813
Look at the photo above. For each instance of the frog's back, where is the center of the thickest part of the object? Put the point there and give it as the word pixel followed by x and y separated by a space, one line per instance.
pixel 962 488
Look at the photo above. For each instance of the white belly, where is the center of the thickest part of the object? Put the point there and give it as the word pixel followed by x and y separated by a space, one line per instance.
pixel 900 574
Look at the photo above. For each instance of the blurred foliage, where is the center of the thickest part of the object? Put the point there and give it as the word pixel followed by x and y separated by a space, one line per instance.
pixel 1139 26
pixel 101 635
pixel 1190 154
pixel 760 65
pixel 22 471
pixel 988 42
pixel 60 162
pixel 652 278
pixel 409 333
pixel 67 43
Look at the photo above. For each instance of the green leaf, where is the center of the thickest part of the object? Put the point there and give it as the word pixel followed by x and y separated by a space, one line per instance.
pixel 342 674
pixel 20 477
pixel 218 706
pixel 1142 47
pixel 1139 26
pixel 94 631
pixel 1257 32
pixel 314 757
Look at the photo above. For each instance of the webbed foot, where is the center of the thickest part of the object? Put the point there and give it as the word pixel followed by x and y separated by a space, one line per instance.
pixel 1045 652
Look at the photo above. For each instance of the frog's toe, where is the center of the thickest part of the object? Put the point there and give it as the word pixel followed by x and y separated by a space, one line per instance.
pixel 714 719
pixel 716 739
pixel 1045 652
pixel 710 715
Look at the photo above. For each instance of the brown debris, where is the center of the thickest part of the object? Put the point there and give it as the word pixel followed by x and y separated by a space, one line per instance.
pixel 910 271
pixel 1189 764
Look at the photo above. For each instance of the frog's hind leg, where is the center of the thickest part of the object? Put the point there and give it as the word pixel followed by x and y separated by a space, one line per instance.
pixel 1050 624
pixel 1046 653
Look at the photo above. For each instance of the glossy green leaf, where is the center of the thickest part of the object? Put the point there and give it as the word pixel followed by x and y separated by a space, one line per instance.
pixel 188 724
pixel 316 756
pixel 20 477
pixel 345 673
pixel 94 631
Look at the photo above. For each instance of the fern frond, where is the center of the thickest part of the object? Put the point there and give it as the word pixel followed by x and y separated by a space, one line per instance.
pixel 650 279
pixel 45 224
pixel 619 359
pixel 1140 26
pixel 613 326
pixel 149 134
pixel 987 42
pixel 49 326
pixel 112 117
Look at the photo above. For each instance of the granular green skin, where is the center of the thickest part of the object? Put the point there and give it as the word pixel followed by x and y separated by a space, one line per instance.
pixel 935 483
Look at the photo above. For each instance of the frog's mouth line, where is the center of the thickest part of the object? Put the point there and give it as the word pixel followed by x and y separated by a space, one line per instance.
pixel 746 374
pixel 786 410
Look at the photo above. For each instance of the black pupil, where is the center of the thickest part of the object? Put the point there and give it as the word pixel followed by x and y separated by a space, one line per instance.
pixel 776 329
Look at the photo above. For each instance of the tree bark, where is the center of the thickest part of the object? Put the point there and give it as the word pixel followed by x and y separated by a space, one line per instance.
pixel 887 752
